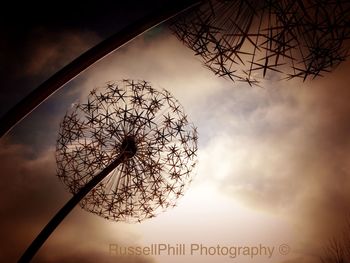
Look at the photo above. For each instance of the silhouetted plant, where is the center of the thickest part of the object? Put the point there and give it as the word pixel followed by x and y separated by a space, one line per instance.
pixel 338 249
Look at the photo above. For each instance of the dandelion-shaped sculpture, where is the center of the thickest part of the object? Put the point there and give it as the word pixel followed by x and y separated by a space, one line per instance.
pixel 126 154
pixel 248 40
pixel 149 128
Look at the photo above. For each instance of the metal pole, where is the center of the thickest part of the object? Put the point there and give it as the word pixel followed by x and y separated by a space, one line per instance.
pixel 65 210
pixel 69 72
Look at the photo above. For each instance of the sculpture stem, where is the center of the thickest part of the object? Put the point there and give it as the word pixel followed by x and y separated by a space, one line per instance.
pixel 65 210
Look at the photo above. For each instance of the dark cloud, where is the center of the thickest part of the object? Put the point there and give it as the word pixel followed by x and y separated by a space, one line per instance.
pixel 41 53
pixel 30 195
pixel 51 51
pixel 40 38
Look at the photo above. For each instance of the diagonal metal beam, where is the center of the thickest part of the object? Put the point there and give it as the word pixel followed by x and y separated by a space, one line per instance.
pixel 69 72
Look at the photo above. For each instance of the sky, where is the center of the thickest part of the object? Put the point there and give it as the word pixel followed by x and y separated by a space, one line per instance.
pixel 273 162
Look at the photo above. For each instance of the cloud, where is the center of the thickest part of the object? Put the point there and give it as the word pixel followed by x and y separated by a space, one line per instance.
pixel 50 51
pixel 277 149
pixel 282 150
pixel 31 58
pixel 31 194
pixel 286 150
pixel 160 59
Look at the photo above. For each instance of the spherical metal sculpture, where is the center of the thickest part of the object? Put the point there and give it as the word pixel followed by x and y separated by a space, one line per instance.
pixel 247 40
pixel 149 129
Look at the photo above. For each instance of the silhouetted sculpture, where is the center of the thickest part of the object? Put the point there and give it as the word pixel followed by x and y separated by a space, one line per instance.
pixel 128 116
pixel 126 154
pixel 246 40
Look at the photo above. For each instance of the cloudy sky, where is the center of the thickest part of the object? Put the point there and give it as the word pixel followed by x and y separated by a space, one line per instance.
pixel 273 161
